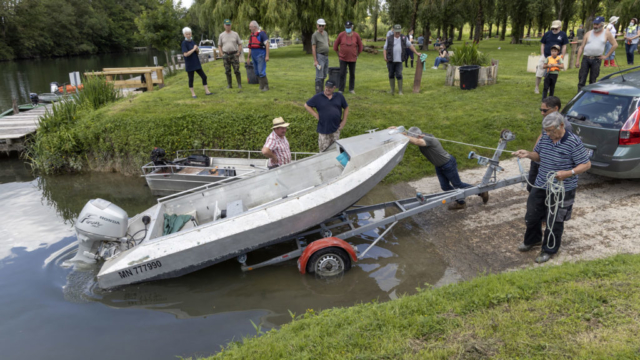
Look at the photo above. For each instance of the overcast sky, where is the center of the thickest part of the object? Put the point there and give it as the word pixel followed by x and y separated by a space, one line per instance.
pixel 185 3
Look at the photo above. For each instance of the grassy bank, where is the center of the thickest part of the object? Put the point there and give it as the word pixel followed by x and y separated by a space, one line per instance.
pixel 120 136
pixel 585 310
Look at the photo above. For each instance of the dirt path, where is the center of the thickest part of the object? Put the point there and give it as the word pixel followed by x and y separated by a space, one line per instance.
pixel 605 221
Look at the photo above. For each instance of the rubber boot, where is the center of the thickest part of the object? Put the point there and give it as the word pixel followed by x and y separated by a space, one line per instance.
pixel 229 81
pixel 606 63
pixel 411 63
pixel 392 83
pixel 405 63
pixel 238 79
pixel 400 87
pixel 261 82
pixel 266 84
pixel 612 63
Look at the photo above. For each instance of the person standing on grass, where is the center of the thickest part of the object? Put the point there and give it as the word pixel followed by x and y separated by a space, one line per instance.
pixel 443 57
pixel 409 52
pixel 320 50
pixel 231 45
pixel 421 42
pixel 395 53
pixel 548 106
pixel 259 53
pixel 348 45
pixel 592 47
pixel 562 153
pixel 580 33
pixel 192 62
pixel 444 163
pixel 330 115
pixel 553 64
pixel 631 40
pixel 555 36
pixel 276 148
pixel 611 27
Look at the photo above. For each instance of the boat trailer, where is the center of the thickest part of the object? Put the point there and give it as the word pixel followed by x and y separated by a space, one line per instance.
pixel 331 255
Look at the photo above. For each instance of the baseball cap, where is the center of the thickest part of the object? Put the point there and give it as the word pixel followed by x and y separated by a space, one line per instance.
pixel 348 24
pixel 321 22
pixel 598 20
pixel 227 22
pixel 556 24
pixel 557 47
pixel 329 83
pixel 397 28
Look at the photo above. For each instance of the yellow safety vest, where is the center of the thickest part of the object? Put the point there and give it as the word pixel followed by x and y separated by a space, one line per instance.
pixel 553 61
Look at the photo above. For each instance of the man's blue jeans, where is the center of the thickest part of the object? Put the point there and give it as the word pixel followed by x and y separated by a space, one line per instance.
pixel 259 64
pixel 630 50
pixel 440 60
pixel 449 177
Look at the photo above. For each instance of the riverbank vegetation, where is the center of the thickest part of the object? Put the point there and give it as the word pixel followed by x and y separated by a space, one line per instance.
pixel 120 136
pixel 584 310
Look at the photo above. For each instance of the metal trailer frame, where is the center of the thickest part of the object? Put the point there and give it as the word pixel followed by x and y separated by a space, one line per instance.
pixel 407 208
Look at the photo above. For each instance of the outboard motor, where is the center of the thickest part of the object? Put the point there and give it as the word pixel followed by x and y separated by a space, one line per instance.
pixel 34 99
pixel 100 221
pixel 157 156
pixel 54 87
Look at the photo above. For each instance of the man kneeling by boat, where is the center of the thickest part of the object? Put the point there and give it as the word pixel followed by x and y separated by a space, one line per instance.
pixel 276 148
pixel 445 164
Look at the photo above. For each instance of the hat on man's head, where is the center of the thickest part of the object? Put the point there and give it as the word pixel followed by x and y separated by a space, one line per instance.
pixel 397 28
pixel 348 24
pixel 598 20
pixel 279 122
pixel 321 22
pixel 227 22
pixel 613 19
pixel 330 84
pixel 556 24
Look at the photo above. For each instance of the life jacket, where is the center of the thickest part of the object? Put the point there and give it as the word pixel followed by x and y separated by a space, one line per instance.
pixel 553 61
pixel 403 43
pixel 254 43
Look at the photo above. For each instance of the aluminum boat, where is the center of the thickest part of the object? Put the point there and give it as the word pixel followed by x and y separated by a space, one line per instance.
pixel 235 218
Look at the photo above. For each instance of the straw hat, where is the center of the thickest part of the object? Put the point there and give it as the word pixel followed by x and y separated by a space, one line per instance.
pixel 279 122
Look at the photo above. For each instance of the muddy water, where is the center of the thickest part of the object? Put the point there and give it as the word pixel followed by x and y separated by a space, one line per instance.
pixel 49 310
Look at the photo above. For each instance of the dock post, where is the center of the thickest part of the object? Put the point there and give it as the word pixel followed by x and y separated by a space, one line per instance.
pixel 149 81
pixel 14 103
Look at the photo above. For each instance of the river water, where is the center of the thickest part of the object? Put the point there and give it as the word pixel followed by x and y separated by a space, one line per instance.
pixel 51 310
pixel 19 78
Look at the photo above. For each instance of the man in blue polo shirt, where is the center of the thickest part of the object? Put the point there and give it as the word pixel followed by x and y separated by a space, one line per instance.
pixel 562 153
pixel 330 116
pixel 555 36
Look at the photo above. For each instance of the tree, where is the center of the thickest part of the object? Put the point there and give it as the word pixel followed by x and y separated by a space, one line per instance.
pixel 161 26
pixel 519 12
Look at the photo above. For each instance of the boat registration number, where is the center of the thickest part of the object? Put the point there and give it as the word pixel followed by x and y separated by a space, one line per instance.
pixel 150 266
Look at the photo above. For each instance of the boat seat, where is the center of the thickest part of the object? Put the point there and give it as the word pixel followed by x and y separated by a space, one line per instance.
pixel 235 208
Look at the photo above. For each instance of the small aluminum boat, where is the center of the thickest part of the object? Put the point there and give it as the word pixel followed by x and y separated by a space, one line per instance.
pixel 182 175
pixel 234 218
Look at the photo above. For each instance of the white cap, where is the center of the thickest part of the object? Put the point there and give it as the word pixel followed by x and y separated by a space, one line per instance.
pixel 321 22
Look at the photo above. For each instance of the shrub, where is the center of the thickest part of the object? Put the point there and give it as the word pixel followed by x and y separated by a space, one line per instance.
pixel 468 55
pixel 97 92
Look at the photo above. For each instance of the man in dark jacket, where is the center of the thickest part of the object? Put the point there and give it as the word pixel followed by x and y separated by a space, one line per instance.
pixel 395 52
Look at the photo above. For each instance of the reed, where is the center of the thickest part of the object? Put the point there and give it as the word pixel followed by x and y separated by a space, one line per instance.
pixel 97 92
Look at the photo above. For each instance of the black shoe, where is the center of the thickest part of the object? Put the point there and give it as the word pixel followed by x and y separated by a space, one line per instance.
pixel 525 248
pixel 457 206
pixel 543 257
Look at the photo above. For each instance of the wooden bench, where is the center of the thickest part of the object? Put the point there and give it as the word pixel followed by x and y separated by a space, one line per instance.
pixel 109 74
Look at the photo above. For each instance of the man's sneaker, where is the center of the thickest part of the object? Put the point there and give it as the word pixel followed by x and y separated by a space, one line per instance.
pixel 485 197
pixel 525 248
pixel 537 91
pixel 457 206
pixel 434 68
pixel 543 257
pixel 352 91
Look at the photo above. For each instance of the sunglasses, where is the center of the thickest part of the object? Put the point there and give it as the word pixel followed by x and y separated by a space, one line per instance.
pixel 321 25
pixel 544 110
pixel 554 29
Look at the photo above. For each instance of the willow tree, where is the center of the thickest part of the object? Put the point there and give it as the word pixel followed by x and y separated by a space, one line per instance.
pixel 161 26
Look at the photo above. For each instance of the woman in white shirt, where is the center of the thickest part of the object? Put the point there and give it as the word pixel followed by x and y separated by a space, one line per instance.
pixel 611 27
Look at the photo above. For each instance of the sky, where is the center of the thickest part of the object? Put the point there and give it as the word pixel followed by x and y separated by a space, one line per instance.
pixel 185 3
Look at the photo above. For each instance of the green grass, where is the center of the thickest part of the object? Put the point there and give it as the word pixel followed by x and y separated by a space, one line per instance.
pixel 585 310
pixel 171 119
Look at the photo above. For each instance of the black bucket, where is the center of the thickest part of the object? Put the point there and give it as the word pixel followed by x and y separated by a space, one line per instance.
pixel 334 75
pixel 251 75
pixel 469 77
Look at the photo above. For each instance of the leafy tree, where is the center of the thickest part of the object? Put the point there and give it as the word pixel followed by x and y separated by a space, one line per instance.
pixel 161 26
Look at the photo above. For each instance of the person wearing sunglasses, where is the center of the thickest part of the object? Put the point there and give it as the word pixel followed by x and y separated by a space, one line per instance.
pixel 592 47
pixel 553 37
pixel 320 50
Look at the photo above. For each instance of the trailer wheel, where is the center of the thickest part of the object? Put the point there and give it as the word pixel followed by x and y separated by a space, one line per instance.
pixel 329 262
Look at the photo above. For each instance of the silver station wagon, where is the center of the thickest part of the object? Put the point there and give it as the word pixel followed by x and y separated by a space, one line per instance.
pixel 606 117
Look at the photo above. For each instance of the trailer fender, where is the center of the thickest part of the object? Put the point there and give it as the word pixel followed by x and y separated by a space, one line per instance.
pixel 323 244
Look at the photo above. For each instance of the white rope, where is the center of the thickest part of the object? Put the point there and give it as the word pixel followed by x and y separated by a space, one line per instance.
pixel 555 192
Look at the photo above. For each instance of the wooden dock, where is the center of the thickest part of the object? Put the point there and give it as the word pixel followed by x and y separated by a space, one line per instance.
pixel 15 128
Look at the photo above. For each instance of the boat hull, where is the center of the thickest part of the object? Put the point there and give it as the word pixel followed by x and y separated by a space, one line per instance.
pixel 181 253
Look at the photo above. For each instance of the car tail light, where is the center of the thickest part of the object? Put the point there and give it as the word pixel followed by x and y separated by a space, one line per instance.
pixel 600 92
pixel 630 132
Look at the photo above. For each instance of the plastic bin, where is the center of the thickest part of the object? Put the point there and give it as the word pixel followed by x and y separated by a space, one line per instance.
pixel 251 75
pixel 469 77
pixel 334 75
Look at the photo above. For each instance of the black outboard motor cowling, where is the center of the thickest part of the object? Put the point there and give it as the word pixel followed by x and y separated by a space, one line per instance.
pixel 157 156
pixel 34 99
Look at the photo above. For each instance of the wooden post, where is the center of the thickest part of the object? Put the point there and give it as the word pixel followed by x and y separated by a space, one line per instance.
pixel 14 103
pixel 417 79
pixel 149 81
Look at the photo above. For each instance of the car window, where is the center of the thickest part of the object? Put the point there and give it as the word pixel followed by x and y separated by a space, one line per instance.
pixel 600 110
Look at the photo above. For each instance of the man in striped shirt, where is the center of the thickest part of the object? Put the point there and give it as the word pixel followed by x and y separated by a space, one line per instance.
pixel 276 148
pixel 562 153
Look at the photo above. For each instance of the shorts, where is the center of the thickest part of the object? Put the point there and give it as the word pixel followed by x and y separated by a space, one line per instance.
pixel 540 70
